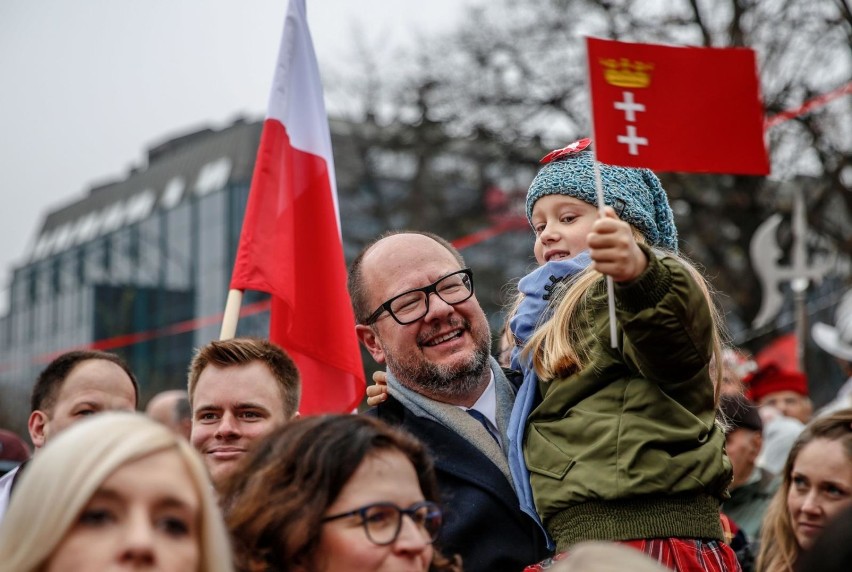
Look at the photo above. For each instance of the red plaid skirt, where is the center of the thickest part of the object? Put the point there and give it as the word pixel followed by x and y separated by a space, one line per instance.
pixel 680 554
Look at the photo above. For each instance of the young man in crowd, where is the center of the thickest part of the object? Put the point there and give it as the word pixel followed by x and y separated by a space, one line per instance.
pixel 239 390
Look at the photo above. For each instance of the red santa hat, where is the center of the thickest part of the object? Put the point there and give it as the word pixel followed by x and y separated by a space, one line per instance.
pixel 770 378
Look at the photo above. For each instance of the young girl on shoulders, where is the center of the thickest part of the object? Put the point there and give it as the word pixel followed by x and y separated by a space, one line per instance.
pixel 617 443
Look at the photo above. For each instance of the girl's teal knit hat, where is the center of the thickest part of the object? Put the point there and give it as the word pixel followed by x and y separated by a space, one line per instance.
pixel 570 171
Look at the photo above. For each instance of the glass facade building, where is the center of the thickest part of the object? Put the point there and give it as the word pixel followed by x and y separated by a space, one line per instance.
pixel 121 269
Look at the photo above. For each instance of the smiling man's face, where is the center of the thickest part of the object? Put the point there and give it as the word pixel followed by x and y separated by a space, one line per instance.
pixel 232 408
pixel 443 355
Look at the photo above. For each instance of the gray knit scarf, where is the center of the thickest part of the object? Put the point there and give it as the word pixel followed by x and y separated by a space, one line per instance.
pixel 457 420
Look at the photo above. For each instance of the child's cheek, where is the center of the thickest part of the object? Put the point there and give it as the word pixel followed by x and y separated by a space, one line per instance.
pixel 538 250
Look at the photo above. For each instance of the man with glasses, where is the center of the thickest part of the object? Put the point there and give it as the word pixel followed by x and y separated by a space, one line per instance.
pixel 418 315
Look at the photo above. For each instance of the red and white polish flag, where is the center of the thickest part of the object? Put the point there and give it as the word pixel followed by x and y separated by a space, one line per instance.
pixel 672 108
pixel 290 244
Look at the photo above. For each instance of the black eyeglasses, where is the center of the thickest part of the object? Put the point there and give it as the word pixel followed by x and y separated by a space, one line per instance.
pixel 383 521
pixel 410 306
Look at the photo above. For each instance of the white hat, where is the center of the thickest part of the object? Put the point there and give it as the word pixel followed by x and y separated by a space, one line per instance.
pixel 837 340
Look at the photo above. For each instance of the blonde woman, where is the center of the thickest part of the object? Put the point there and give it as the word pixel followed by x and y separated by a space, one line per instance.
pixel 816 487
pixel 117 490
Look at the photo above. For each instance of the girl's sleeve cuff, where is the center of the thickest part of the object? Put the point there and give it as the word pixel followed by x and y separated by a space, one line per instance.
pixel 648 289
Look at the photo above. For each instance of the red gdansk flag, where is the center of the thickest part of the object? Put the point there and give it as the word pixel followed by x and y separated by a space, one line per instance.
pixel 290 244
pixel 671 108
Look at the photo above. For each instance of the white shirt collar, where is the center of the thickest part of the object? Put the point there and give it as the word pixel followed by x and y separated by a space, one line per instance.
pixel 487 402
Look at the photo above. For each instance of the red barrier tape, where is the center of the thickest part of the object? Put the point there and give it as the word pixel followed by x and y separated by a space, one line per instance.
pixel 124 340
pixel 808 105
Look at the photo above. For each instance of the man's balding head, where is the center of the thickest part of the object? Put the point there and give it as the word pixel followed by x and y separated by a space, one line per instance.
pixel 357 291
pixel 171 408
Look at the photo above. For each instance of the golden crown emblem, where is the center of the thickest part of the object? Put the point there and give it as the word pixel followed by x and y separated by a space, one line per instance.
pixel 626 73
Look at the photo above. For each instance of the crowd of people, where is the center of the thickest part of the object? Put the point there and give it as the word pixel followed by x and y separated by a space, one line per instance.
pixel 647 446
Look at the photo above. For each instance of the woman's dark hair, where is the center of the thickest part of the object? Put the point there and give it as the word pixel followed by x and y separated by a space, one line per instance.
pixel 274 503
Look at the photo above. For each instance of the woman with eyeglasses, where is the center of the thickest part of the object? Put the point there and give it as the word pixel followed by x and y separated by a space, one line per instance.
pixel 337 492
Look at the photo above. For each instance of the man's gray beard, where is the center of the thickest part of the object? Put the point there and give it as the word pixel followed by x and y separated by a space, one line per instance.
pixel 449 382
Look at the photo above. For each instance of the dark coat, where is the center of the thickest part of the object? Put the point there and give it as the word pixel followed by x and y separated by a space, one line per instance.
pixel 482 518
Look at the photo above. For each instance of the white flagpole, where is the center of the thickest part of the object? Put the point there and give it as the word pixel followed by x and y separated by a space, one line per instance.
pixel 610 288
pixel 231 315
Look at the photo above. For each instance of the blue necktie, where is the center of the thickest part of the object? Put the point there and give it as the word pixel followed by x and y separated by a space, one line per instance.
pixel 482 419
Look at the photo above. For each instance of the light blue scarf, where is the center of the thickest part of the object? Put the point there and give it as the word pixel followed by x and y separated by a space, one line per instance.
pixel 533 310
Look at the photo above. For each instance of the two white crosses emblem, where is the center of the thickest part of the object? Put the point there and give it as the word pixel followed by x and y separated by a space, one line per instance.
pixel 628 74
pixel 630 107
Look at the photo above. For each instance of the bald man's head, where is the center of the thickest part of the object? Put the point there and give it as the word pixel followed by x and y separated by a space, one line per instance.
pixel 171 408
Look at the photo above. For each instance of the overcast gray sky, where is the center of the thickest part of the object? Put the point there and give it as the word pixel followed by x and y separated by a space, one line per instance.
pixel 86 86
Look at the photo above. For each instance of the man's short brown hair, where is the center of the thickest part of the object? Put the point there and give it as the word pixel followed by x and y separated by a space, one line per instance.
pixel 50 380
pixel 243 351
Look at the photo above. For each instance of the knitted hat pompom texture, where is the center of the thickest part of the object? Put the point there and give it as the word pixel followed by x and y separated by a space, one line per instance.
pixel 646 205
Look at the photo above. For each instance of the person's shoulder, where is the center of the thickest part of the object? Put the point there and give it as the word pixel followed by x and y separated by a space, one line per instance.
pixel 6 482
pixel 7 479
pixel 390 411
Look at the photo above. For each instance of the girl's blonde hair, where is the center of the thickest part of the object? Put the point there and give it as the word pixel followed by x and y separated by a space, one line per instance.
pixel 779 549
pixel 556 347
pixel 61 479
